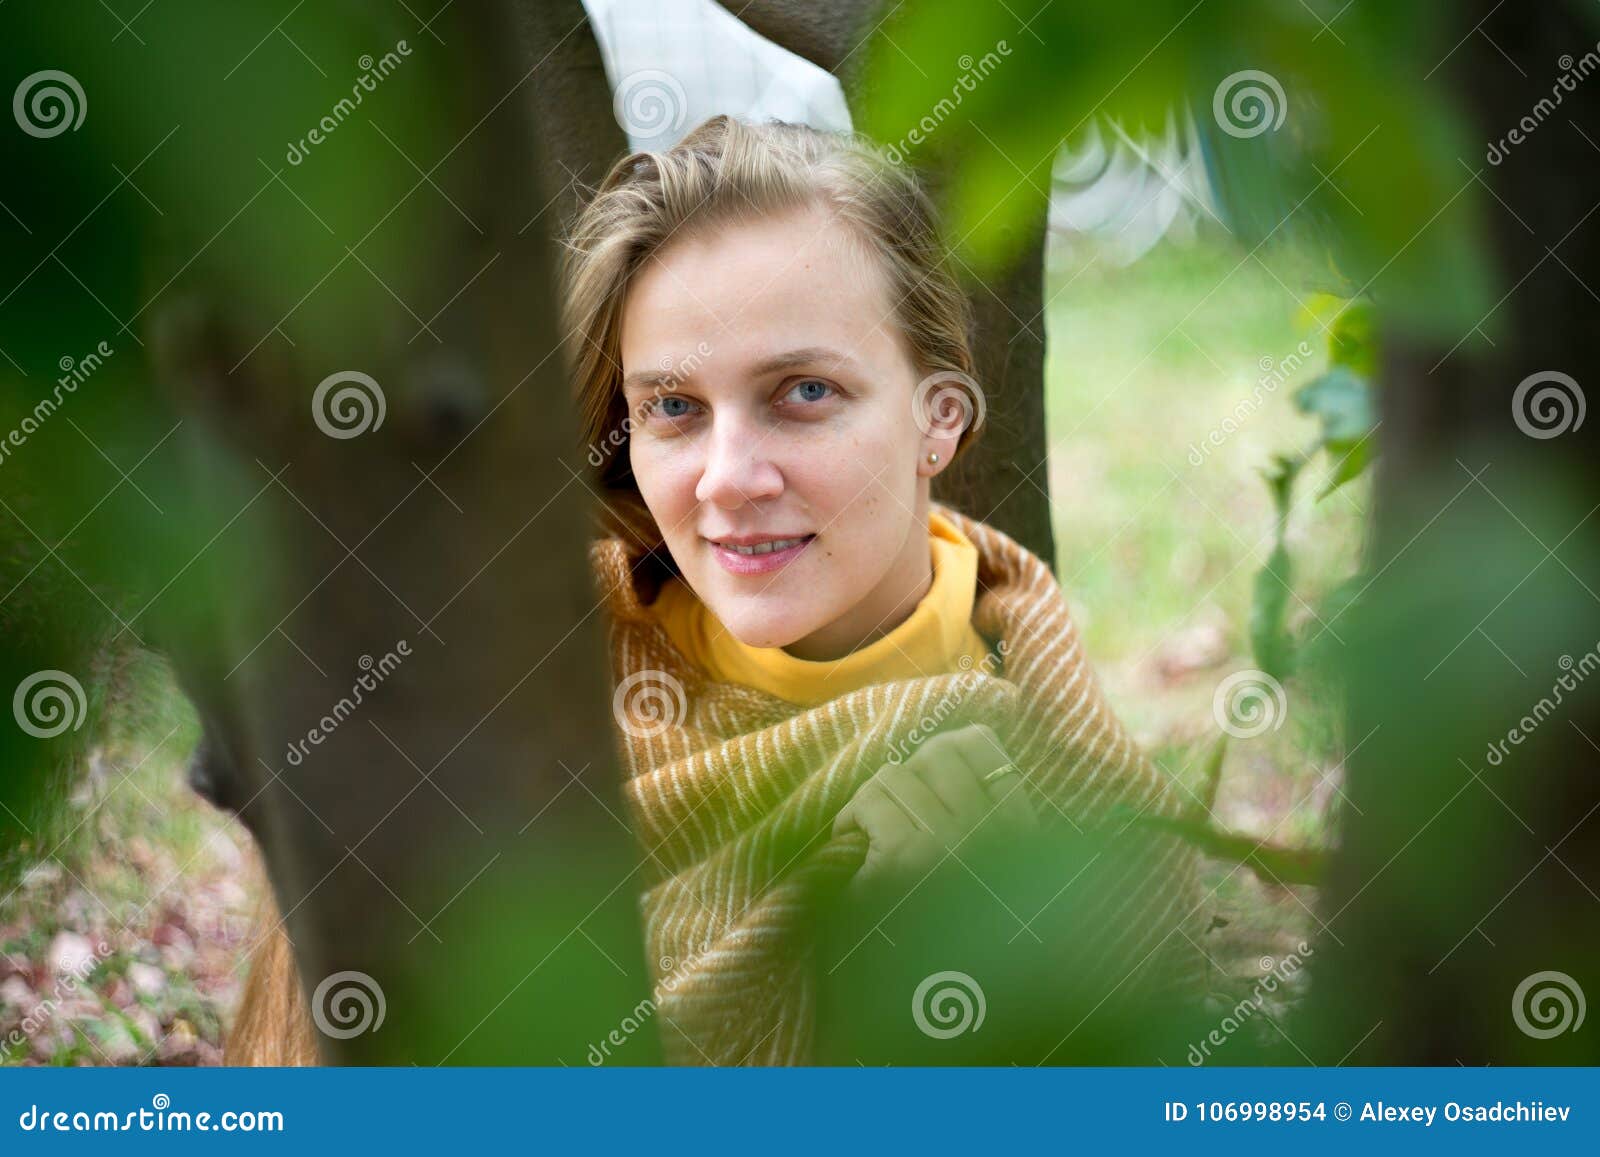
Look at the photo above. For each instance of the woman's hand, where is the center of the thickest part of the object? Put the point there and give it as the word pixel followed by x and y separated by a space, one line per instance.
pixel 945 797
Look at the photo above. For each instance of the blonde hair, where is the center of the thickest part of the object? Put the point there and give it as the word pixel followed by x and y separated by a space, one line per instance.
pixel 724 172
pixel 273 1025
pixel 727 172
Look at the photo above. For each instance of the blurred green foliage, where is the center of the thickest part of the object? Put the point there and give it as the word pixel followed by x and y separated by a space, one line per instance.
pixel 1365 164
pixel 186 184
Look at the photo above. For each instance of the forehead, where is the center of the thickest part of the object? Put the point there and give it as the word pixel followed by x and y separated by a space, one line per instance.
pixel 800 279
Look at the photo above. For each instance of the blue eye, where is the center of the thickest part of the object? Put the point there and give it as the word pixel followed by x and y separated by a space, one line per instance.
pixel 812 389
pixel 666 409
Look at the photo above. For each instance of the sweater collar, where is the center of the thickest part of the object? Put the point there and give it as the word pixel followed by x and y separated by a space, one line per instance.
pixel 936 638
pixel 631 565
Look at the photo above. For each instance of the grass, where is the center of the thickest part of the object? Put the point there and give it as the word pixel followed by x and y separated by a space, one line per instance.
pixel 1160 537
pixel 1143 363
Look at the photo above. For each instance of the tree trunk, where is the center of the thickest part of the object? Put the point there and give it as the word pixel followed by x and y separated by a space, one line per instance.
pixel 456 835
pixel 1463 916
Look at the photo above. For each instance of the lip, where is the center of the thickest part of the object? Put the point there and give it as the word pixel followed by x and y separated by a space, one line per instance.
pixel 750 564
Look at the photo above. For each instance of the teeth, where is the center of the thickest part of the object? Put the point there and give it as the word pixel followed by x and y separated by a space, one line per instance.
pixel 764 547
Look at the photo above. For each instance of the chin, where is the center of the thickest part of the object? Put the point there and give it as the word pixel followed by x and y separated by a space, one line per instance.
pixel 763 632
pixel 763 635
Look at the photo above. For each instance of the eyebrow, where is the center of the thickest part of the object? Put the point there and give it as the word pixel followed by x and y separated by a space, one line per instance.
pixel 788 360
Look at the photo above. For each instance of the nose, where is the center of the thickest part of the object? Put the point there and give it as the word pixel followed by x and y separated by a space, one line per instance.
pixel 738 467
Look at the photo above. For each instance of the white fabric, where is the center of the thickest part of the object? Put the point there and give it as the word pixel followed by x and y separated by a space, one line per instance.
pixel 673 63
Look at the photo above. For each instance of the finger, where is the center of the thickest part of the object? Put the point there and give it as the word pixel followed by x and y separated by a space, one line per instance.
pixel 926 811
pixel 945 747
pixel 975 751
pixel 976 747
pixel 1008 793
pixel 943 743
pixel 871 811
pixel 1013 803
pixel 982 745
pixel 958 787
pixel 974 743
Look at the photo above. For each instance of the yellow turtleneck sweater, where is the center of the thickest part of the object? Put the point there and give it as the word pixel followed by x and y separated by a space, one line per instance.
pixel 932 640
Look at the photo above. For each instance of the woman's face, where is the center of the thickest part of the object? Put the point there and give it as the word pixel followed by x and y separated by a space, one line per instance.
pixel 770 396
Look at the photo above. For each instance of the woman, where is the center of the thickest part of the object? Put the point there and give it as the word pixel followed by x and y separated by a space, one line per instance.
pixel 836 699
pixel 829 688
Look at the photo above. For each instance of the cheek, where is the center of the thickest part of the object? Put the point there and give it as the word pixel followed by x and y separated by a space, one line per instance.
pixel 661 475
pixel 861 487
pixel 877 456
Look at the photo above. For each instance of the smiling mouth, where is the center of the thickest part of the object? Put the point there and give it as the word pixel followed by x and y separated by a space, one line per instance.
pixel 766 547
pixel 751 554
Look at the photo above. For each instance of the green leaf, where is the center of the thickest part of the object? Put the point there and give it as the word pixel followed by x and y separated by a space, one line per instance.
pixel 1352 339
pixel 1361 159
pixel 1270 641
pixel 1350 459
pixel 1343 400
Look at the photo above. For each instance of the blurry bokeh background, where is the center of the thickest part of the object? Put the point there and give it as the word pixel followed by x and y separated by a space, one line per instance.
pixel 1159 558
pixel 1178 363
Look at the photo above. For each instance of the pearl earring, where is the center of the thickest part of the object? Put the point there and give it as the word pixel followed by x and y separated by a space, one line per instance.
pixel 933 457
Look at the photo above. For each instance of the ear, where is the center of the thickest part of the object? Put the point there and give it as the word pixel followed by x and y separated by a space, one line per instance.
pixel 945 405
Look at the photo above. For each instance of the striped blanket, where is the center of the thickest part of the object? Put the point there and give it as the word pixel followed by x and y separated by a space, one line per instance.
pixel 732 795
